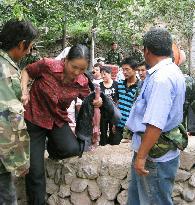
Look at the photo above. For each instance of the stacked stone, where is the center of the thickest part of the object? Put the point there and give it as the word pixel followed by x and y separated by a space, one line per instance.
pixel 101 178
pixel 98 178
pixel 184 188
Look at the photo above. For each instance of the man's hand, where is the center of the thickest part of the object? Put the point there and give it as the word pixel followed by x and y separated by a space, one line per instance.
pixel 24 173
pixel 150 137
pixel 97 103
pixel 25 98
pixel 140 167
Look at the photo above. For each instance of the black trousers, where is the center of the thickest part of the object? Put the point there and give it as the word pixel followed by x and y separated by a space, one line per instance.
pixel 61 143
pixel 7 190
pixel 118 136
pixel 105 137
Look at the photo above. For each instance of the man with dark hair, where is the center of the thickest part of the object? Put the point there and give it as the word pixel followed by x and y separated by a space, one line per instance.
pixel 154 120
pixel 113 56
pixel 16 38
pixel 142 70
pixel 127 92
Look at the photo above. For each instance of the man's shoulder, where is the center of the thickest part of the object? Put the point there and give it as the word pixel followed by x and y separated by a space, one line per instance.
pixel 168 73
pixel 6 69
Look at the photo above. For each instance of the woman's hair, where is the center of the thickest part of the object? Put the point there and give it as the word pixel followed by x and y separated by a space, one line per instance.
pixel 78 51
pixel 15 31
pixel 106 69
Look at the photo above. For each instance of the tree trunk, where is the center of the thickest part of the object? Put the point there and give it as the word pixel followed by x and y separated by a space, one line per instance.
pixel 92 50
pixel 64 34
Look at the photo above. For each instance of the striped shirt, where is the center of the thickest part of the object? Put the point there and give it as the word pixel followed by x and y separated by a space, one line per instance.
pixel 127 96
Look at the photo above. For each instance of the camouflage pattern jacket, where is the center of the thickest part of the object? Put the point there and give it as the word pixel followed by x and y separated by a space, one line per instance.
pixel 189 97
pixel 113 57
pixel 14 139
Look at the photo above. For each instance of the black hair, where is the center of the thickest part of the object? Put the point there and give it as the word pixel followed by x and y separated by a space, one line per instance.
pixel 15 31
pixel 131 62
pixel 78 51
pixel 106 69
pixel 158 41
pixel 143 63
pixel 113 43
pixel 97 65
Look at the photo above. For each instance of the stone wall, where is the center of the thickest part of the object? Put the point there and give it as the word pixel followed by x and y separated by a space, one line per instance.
pixel 101 178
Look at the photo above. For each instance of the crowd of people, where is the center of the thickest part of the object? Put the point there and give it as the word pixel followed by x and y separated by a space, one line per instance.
pixel 37 104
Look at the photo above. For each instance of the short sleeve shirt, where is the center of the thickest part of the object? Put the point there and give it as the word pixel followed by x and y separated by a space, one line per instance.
pixel 112 91
pixel 160 103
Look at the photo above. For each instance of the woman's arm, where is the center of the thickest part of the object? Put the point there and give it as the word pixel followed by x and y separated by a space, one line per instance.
pixel 24 85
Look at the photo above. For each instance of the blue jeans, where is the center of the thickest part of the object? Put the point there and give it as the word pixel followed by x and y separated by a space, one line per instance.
pixel 156 188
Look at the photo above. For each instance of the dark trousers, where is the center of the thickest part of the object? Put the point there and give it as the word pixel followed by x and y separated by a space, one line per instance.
pixel 62 143
pixel 7 190
pixel 118 136
pixel 106 126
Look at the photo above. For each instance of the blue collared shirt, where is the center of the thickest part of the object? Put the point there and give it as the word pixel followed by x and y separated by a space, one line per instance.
pixel 160 103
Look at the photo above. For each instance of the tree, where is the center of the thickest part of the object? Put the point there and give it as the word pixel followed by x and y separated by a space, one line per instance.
pixel 122 20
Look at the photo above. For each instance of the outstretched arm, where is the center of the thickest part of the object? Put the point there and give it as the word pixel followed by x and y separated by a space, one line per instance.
pixel 24 85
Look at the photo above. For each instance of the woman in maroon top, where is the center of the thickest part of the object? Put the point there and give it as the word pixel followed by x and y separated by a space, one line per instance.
pixel 56 84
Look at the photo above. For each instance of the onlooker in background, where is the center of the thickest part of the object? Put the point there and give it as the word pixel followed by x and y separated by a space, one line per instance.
pixel 136 53
pixel 97 77
pixel 127 91
pixel 110 88
pixel 101 60
pixel 158 111
pixel 142 70
pixel 113 56
pixel 189 105
pixel 16 38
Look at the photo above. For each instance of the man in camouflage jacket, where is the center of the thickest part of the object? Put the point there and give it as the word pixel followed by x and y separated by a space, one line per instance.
pixel 14 140
pixel 15 42
pixel 113 56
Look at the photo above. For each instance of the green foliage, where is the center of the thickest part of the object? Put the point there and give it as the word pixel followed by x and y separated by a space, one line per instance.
pixel 123 21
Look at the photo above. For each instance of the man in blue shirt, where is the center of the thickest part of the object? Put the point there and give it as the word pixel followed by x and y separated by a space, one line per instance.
pixel 158 108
